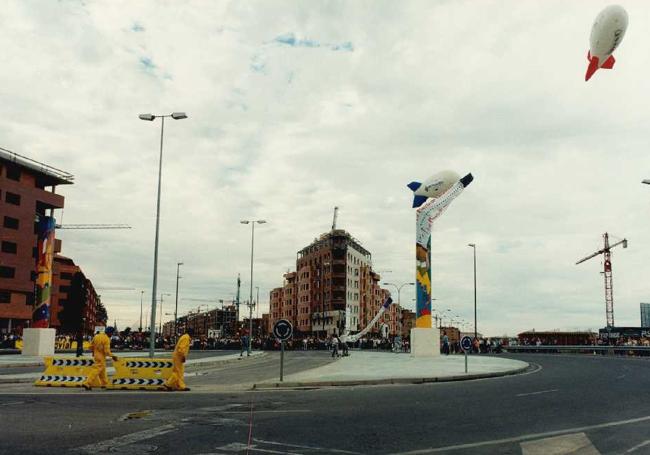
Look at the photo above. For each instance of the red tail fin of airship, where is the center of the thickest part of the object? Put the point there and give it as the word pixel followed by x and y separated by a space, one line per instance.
pixel 593 66
pixel 609 63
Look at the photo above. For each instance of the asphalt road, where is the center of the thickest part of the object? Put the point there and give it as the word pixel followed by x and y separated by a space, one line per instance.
pixel 598 404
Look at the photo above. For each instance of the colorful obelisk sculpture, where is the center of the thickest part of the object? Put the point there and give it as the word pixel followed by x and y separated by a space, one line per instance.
pixel 432 198
pixel 38 340
pixel 44 263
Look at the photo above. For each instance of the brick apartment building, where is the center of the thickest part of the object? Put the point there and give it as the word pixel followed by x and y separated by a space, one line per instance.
pixel 332 288
pixel 63 271
pixel 27 190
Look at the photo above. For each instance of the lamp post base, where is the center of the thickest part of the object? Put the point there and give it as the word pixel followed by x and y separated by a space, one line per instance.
pixel 425 342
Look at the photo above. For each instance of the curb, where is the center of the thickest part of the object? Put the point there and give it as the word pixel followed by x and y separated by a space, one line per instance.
pixel 388 381
pixel 31 379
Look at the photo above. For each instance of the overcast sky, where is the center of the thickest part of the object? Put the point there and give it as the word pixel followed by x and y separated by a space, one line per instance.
pixel 295 107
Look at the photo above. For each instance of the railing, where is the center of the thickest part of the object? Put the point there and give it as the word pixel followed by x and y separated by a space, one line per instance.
pixel 36 165
pixel 587 349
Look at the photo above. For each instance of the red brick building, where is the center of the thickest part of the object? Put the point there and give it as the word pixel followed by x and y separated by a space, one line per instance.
pixel 27 190
pixel 64 269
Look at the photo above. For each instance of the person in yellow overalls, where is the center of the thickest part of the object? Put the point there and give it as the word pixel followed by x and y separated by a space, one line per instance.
pixel 176 381
pixel 101 348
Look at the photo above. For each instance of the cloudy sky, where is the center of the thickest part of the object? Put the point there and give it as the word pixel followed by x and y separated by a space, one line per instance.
pixel 295 107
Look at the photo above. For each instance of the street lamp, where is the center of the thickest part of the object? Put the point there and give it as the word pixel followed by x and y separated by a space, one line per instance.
pixel 473 246
pixel 178 268
pixel 250 301
pixel 399 295
pixel 151 118
pixel 141 300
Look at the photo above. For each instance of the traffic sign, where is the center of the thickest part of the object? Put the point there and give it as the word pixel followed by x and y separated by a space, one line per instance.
pixel 282 330
pixel 466 343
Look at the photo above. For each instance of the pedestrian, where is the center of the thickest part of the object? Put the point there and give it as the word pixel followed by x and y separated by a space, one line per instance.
pixel 101 348
pixel 177 380
pixel 335 346
pixel 243 340
pixel 445 343
pixel 80 342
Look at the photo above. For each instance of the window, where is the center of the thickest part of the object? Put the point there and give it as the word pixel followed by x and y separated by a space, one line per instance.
pixel 11 223
pixel 13 173
pixel 66 276
pixel 9 247
pixel 12 198
pixel 7 272
pixel 5 297
pixel 64 288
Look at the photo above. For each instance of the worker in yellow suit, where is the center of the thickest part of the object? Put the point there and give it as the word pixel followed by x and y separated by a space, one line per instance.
pixel 101 348
pixel 176 381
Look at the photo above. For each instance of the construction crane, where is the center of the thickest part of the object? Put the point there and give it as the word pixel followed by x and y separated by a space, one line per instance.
pixel 609 293
pixel 93 226
pixel 336 213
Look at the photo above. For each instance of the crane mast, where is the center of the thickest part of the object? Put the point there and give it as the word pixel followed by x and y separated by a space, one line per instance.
pixel 336 213
pixel 607 275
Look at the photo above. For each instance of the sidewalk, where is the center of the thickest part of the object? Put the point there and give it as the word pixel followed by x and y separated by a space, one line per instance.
pixel 371 368
pixel 37 361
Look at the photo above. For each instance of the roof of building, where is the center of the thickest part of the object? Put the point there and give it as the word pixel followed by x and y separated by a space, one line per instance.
pixel 50 174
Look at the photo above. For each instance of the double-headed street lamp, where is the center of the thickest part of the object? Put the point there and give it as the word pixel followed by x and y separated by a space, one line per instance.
pixel 399 299
pixel 250 301
pixel 151 118
pixel 473 246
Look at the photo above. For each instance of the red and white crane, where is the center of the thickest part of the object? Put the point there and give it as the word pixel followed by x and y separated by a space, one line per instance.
pixel 609 293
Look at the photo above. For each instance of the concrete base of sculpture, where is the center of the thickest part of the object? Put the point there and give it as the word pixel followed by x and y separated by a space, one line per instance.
pixel 425 342
pixel 38 342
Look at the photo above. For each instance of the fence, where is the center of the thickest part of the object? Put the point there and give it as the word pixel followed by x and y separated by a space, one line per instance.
pixel 639 351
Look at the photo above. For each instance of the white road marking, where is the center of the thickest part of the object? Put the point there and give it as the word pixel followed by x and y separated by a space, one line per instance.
pixel 121 441
pixel 638 446
pixel 11 403
pixel 306 447
pixel 536 393
pixel 267 411
pixel 238 447
pixel 525 437
pixel 560 445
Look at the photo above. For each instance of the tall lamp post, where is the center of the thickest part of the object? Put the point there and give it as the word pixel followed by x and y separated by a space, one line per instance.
pixel 141 300
pixel 250 301
pixel 151 118
pixel 473 246
pixel 178 269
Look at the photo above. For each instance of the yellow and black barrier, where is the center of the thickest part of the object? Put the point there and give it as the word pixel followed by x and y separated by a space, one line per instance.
pixel 64 372
pixel 140 374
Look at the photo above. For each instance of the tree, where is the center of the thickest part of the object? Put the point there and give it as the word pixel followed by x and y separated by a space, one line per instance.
pixel 101 316
pixel 71 316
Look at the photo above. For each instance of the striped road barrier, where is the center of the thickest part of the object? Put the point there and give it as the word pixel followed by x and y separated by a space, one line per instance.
pixel 141 374
pixel 64 372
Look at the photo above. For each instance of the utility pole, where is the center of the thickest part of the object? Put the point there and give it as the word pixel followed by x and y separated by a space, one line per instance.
pixel 178 268
pixel 257 303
